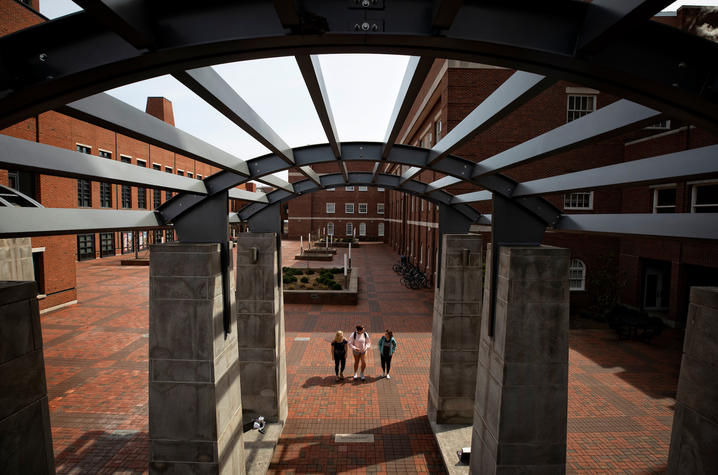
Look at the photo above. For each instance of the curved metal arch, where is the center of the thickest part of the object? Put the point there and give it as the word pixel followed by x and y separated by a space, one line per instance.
pixel 57 62
pixel 453 166
pixel 360 178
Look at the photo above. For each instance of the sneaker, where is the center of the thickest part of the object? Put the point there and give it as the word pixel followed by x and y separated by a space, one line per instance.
pixel 341 375
pixel 362 377
pixel 388 377
pixel 383 375
pixel 355 376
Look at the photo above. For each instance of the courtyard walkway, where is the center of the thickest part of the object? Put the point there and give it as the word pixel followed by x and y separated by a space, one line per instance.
pixel 621 394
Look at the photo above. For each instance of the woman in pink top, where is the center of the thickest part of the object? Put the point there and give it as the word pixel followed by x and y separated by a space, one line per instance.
pixel 359 343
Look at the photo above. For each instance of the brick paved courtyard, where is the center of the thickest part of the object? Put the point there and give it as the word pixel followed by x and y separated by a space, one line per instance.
pixel 621 394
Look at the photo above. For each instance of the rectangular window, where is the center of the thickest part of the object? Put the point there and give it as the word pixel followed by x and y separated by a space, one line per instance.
pixel 380 208
pixel 363 207
pixel 380 189
pixel 199 177
pixel 578 106
pixel 422 205
pixel 141 191
pixel 84 197
pixel 168 195
pixel 349 208
pixel 107 244
pixel 85 246
pixel 180 172
pixel 168 169
pixel 380 230
pixel 126 192
pixel 156 198
pixel 664 200
pixel 105 154
pixel 705 198
pixel 143 240
pixel 105 195
pixel 362 229
pixel 127 242
pixel 330 229
pixel 169 235
pixel 83 148
pixel 579 200
pixel 190 175
pixel 363 188
pixel 350 229
pixel 437 130
pixel 330 208
pixel 349 188
pixel 158 236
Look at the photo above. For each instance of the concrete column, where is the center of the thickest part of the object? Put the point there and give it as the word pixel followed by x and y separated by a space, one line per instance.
pixel 260 320
pixel 695 424
pixel 522 384
pixel 195 397
pixel 455 332
pixel 16 259
pixel 25 438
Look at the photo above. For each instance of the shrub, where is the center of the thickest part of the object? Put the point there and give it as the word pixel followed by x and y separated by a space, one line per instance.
pixel 288 279
pixel 304 279
pixel 337 270
pixel 310 272
pixel 336 286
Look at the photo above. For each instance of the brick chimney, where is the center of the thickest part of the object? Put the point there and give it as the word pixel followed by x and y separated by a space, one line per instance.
pixel 160 108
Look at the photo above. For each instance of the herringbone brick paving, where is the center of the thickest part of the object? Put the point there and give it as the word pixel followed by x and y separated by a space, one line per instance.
pixel 621 393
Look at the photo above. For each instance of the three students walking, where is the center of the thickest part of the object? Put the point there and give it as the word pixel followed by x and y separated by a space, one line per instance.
pixel 360 343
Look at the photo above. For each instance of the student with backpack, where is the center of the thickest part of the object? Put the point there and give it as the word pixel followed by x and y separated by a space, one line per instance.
pixel 339 352
pixel 359 343
pixel 387 346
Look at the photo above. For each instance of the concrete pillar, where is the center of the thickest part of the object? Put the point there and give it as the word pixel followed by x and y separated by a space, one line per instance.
pixel 522 384
pixel 195 406
pixel 16 259
pixel 455 331
pixel 25 438
pixel 695 424
pixel 260 320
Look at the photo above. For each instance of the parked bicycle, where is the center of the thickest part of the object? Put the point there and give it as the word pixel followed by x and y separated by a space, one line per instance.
pixel 411 277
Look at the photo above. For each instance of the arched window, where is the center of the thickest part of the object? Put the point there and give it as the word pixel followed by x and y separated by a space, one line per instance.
pixel 330 229
pixel 577 275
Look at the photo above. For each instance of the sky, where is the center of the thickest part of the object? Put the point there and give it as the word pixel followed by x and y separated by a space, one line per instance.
pixel 275 90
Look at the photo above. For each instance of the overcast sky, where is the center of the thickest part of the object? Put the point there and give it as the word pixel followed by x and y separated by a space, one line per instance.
pixel 362 90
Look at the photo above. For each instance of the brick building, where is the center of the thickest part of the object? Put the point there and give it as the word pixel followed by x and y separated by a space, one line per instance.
pixel 52 253
pixel 650 274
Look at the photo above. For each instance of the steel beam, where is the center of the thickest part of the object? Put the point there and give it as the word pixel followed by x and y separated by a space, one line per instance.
pixel 110 113
pixel 670 225
pixel 613 119
pixel 59 61
pixel 443 183
pixel 607 20
pixel 687 164
pixel 41 158
pixel 245 195
pixel 128 18
pixel 416 72
pixel 444 13
pixel 312 73
pixel 473 197
pixel 15 222
pixel 276 182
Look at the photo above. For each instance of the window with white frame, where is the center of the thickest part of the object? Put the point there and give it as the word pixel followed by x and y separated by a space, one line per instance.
pixel 578 106
pixel 349 188
pixel 362 229
pixel 349 208
pixel 380 208
pixel 380 189
pixel 705 198
pixel 664 200
pixel 363 188
pixel 578 200
pixel 330 229
pixel 380 230
pixel 330 208
pixel 363 207
pixel 350 229
pixel 437 130
pixel 577 275
pixel 422 205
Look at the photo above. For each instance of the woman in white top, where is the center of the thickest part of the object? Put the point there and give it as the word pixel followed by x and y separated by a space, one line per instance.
pixel 359 343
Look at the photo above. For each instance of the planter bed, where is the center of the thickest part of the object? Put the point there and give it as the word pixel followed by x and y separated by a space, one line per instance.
pixel 337 244
pixel 321 250
pixel 313 256
pixel 347 296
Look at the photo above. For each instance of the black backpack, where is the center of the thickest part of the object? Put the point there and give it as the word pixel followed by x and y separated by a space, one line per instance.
pixel 366 335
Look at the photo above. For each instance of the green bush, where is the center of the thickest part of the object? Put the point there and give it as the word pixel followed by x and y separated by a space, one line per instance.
pixel 310 272
pixel 304 279
pixel 336 286
pixel 292 271
pixel 288 279
pixel 337 270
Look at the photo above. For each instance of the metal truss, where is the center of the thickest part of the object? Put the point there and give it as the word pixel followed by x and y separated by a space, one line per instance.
pixel 65 64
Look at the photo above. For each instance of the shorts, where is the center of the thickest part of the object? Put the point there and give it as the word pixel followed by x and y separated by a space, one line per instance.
pixel 357 353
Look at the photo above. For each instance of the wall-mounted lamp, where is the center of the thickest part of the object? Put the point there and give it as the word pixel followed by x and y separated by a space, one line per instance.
pixel 254 254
